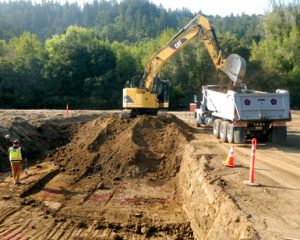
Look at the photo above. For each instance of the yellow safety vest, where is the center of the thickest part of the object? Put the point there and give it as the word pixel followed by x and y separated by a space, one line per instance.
pixel 15 154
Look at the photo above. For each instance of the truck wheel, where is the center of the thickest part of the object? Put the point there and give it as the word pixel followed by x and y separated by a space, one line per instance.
pixel 230 133
pixel 223 131
pixel 216 128
pixel 198 124
pixel 279 134
pixel 239 135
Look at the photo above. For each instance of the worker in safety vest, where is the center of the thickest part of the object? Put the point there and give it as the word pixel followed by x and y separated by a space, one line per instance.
pixel 16 160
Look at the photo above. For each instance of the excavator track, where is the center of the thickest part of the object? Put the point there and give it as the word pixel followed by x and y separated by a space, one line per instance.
pixel 126 114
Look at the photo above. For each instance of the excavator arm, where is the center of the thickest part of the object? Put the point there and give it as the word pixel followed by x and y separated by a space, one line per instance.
pixel 234 67
pixel 152 94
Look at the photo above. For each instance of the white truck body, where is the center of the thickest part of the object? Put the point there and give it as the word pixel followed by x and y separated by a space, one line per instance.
pixel 252 112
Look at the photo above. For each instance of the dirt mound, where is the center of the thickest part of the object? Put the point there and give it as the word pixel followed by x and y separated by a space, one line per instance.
pixel 115 148
pixel 36 140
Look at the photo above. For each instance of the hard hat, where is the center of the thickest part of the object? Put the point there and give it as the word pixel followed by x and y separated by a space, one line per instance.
pixel 16 141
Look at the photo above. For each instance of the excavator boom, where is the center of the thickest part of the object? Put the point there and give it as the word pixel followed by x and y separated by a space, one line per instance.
pixel 234 66
pixel 152 94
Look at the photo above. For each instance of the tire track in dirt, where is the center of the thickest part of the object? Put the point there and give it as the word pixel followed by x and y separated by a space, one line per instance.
pixel 272 206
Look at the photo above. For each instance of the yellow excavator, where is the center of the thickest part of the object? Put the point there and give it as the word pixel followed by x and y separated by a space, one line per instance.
pixel 152 93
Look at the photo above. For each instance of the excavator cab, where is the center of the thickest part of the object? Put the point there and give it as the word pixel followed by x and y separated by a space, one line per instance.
pixel 163 94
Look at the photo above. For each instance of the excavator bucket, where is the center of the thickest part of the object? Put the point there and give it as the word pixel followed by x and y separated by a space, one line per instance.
pixel 235 68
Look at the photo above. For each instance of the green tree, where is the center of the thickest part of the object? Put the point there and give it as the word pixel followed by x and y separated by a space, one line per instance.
pixel 3 48
pixel 278 51
pixel 78 63
pixel 23 60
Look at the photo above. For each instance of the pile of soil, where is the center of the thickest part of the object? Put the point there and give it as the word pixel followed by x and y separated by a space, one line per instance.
pixel 114 148
pixel 36 140
pixel 40 131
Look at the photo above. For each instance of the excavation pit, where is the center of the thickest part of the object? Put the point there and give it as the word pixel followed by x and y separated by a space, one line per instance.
pixel 138 178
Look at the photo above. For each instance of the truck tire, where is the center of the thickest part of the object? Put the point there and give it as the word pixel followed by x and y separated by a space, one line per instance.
pixel 239 134
pixel 196 119
pixel 279 134
pixel 216 128
pixel 223 131
pixel 230 132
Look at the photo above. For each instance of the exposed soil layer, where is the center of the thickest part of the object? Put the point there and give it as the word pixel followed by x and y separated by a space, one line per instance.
pixel 40 132
pixel 114 178
pixel 217 216
pixel 272 207
pixel 96 176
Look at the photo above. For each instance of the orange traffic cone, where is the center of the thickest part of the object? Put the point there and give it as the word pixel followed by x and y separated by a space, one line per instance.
pixel 230 158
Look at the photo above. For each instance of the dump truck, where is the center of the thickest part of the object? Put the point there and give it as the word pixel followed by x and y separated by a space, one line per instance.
pixel 236 114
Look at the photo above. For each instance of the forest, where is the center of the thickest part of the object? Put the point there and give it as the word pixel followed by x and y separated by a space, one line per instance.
pixel 52 54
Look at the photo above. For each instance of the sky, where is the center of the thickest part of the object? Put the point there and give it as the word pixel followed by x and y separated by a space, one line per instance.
pixel 219 7
pixel 207 7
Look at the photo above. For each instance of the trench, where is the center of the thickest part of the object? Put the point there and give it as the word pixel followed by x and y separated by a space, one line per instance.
pixel 211 212
pixel 144 178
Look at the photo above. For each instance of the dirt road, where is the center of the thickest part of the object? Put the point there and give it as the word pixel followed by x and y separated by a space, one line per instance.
pixel 274 206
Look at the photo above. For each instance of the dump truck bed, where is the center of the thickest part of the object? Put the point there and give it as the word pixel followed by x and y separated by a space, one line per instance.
pixel 249 105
